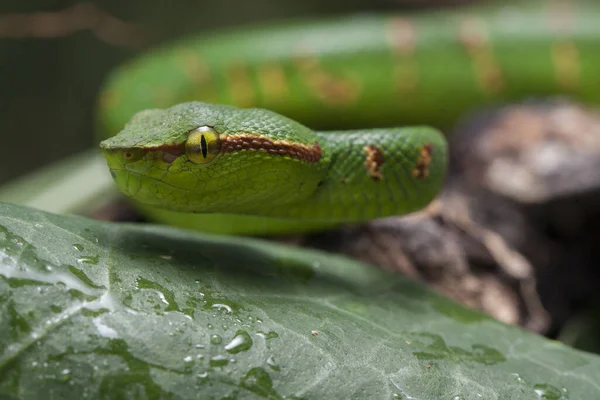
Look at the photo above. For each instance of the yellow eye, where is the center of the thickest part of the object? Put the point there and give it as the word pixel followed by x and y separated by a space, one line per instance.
pixel 202 145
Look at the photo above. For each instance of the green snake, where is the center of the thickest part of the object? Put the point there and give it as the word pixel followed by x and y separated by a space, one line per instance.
pixel 205 137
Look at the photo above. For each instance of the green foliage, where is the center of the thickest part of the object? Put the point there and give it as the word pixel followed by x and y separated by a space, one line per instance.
pixel 104 310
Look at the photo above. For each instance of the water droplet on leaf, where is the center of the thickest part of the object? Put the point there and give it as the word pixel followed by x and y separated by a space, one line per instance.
pixel 272 364
pixel 222 307
pixel 548 392
pixel 78 247
pixel 268 335
pixel 216 339
pixel 218 361
pixel 90 260
pixel 240 342
pixel 65 375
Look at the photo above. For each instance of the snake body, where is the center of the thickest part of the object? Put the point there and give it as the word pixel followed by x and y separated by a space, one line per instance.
pixel 185 153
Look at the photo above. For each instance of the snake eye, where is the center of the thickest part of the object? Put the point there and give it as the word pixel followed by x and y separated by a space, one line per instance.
pixel 202 145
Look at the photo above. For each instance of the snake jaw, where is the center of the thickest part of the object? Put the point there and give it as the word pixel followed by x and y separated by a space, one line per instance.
pixel 114 161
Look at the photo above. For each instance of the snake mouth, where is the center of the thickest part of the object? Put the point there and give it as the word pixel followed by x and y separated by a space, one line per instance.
pixel 129 155
pixel 127 166
pixel 143 187
pixel 127 162
pixel 154 176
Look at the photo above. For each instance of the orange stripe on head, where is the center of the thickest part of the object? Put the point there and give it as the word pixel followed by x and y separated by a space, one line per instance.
pixel 253 142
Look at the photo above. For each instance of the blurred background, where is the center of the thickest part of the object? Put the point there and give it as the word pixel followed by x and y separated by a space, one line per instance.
pixel 528 259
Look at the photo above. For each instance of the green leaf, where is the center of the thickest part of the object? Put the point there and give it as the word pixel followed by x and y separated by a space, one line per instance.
pixel 84 186
pixel 99 310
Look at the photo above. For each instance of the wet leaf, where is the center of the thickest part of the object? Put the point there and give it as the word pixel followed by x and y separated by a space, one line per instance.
pixel 98 310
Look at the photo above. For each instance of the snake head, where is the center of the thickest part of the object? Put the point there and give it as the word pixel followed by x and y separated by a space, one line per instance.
pixel 199 157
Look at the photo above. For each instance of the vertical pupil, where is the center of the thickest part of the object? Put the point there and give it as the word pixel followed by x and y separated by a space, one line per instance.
pixel 204 146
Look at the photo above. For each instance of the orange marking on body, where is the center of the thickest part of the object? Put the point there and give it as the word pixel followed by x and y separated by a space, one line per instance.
pixel 240 84
pixel 421 169
pixel 374 161
pixel 333 90
pixel 163 96
pixel 402 38
pixel 566 63
pixel 565 55
pixel 255 142
pixel 199 73
pixel 194 67
pixel 273 82
pixel 474 38
pixel 109 99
